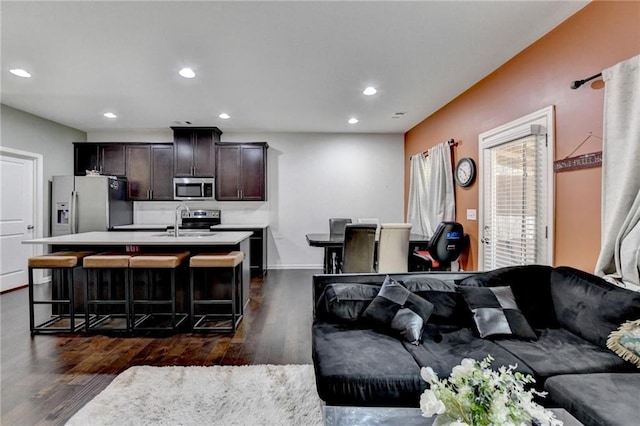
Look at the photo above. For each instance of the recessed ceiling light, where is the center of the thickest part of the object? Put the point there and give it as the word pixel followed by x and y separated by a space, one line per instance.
pixel 224 116
pixel 20 72
pixel 187 73
pixel 109 115
pixel 352 120
pixel 370 91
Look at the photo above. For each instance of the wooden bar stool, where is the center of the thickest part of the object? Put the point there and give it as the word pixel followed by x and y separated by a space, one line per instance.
pixel 213 288
pixel 62 317
pixel 99 275
pixel 160 311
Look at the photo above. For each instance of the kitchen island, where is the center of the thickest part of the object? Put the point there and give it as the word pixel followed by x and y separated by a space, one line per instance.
pixel 138 238
pixel 257 241
pixel 145 242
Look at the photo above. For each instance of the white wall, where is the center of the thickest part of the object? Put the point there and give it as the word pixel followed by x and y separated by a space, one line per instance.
pixel 26 132
pixel 311 177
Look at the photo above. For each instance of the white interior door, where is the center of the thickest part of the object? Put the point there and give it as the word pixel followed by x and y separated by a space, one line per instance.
pixel 18 219
pixel 516 193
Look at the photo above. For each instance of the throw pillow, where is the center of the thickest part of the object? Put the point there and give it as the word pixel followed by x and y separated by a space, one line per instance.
pixel 625 342
pixel 448 306
pixel 398 309
pixel 496 313
pixel 531 287
pixel 347 301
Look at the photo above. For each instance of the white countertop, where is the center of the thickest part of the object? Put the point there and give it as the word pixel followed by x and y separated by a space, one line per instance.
pixel 241 226
pixel 135 226
pixel 144 239
pixel 161 227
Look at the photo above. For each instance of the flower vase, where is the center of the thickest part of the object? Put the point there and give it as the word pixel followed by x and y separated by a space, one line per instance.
pixel 442 420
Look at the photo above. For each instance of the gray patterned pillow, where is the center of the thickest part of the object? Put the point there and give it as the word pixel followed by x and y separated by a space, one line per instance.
pixel 398 309
pixel 625 342
pixel 496 313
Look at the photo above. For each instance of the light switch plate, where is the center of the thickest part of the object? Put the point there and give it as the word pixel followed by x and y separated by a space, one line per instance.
pixel 472 214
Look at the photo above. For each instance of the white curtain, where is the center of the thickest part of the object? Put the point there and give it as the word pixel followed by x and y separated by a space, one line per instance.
pixel 431 191
pixel 417 210
pixel 619 257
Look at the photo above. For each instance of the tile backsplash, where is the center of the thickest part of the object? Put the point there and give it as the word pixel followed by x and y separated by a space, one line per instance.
pixel 163 212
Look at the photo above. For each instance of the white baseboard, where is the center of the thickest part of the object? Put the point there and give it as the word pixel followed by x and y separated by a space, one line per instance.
pixel 299 266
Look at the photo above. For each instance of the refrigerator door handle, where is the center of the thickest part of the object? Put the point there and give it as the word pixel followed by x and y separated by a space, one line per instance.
pixel 74 212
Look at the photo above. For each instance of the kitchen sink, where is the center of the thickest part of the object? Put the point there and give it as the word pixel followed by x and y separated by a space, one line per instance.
pixel 186 234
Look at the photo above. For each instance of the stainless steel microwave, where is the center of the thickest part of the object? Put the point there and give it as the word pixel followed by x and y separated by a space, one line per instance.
pixel 193 188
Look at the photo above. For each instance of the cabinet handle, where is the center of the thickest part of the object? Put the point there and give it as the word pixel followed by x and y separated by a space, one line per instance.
pixel 238 194
pixel 151 194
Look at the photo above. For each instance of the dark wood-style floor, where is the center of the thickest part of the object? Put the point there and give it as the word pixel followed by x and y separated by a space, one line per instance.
pixel 47 378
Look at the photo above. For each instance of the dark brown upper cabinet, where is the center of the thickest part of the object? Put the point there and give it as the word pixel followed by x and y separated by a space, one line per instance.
pixel 112 160
pixel 106 158
pixel 241 171
pixel 150 172
pixel 195 151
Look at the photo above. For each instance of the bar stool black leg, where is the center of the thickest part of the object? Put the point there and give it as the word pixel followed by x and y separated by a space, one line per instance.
pixel 31 305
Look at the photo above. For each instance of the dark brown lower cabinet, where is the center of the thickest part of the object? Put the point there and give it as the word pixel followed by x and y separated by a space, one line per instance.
pixel 257 248
pixel 150 172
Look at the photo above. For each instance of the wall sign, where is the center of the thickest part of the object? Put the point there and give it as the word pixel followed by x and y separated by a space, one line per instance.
pixel 585 161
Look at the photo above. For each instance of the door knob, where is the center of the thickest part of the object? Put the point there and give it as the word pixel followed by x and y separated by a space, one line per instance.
pixel 30 226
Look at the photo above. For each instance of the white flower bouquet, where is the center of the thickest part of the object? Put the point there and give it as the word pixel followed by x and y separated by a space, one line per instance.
pixel 475 395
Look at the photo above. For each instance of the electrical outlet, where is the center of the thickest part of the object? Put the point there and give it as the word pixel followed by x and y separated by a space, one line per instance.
pixel 472 214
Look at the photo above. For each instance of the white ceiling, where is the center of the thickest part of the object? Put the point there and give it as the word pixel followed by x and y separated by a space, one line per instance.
pixel 271 65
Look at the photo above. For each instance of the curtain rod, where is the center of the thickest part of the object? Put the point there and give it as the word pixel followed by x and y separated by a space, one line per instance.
pixel 577 83
pixel 451 143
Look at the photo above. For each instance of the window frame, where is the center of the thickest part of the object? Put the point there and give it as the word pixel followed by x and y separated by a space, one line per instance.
pixel 541 123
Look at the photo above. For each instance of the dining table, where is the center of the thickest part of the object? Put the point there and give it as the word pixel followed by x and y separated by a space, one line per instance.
pixel 332 245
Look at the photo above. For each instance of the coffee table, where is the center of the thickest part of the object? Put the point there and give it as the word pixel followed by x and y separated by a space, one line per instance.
pixel 392 416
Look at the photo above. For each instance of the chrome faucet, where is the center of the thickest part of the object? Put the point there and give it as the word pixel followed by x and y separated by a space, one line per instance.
pixel 179 209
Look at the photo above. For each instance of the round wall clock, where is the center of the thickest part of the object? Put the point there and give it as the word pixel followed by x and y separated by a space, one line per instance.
pixel 465 171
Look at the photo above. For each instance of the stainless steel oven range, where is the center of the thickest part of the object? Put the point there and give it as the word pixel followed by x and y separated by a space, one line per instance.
pixel 201 219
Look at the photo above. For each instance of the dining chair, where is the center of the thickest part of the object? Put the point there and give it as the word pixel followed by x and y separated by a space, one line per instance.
pixel 336 225
pixel 393 248
pixel 333 255
pixel 359 248
pixel 373 220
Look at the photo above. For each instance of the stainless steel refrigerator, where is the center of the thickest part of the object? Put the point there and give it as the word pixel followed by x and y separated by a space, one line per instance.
pixel 88 203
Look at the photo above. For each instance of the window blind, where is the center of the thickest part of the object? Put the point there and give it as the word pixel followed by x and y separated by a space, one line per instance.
pixel 515 224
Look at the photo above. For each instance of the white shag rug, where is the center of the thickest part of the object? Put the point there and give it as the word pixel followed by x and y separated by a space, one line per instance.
pixel 250 395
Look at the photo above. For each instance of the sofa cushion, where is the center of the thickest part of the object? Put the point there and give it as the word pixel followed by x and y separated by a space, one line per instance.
pixel 530 286
pixel 345 302
pixel 590 306
pixel 453 345
pixel 397 309
pixel 598 399
pixel 558 351
pixel 362 367
pixel 496 313
pixel 448 305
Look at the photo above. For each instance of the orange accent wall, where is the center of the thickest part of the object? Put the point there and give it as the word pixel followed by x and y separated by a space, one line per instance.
pixel 597 37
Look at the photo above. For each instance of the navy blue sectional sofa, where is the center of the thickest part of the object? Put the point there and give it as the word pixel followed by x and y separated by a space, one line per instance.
pixel 571 312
